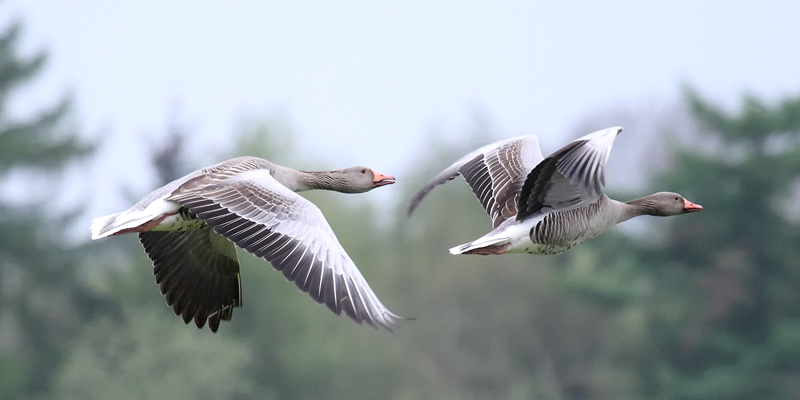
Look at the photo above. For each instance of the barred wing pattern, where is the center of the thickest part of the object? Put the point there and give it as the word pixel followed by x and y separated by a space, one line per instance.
pixel 496 174
pixel 571 177
pixel 260 215
pixel 197 271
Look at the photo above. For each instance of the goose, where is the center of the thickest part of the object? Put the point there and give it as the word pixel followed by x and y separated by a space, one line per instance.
pixel 546 205
pixel 188 229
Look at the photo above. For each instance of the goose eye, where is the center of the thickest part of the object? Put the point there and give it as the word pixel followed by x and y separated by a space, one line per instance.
pixel 677 199
pixel 364 171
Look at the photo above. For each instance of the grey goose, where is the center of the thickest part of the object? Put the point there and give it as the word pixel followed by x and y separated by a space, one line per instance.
pixel 546 205
pixel 188 229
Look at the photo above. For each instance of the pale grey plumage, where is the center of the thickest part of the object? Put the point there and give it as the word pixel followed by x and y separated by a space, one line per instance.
pixel 495 173
pixel 250 202
pixel 560 201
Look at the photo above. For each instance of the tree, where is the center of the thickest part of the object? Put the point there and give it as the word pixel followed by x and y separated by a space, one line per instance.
pixel 728 308
pixel 142 354
pixel 40 289
pixel 718 292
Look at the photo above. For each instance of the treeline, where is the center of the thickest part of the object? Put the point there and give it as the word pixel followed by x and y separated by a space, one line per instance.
pixel 700 307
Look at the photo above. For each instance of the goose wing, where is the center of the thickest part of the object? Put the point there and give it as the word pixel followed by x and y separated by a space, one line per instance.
pixel 197 271
pixel 571 177
pixel 260 215
pixel 495 172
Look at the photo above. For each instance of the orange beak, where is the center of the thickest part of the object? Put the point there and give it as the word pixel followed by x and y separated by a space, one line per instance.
pixel 688 206
pixel 381 179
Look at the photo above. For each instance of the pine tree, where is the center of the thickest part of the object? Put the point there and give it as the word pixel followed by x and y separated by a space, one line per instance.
pixel 725 307
pixel 39 287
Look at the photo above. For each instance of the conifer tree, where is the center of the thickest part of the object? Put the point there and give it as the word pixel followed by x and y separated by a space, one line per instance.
pixel 39 288
pixel 725 307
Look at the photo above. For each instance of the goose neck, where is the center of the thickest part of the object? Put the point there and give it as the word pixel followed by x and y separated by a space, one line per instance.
pixel 640 206
pixel 312 180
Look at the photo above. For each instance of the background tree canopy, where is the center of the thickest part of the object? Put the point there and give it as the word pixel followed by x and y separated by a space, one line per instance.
pixel 700 307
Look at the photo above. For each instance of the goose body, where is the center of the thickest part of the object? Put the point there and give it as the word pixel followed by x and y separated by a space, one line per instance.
pixel 549 205
pixel 188 229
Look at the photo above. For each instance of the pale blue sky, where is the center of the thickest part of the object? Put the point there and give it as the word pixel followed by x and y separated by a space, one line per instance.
pixel 363 82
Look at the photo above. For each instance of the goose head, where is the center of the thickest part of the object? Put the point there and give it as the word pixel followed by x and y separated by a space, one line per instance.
pixel 665 204
pixel 361 179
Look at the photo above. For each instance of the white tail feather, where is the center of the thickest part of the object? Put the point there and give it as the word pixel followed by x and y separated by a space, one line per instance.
pixel 111 224
pixel 479 243
pixel 101 226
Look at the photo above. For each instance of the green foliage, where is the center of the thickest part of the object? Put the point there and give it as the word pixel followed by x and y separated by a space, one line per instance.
pixel 737 261
pixel 142 355
pixel 39 290
pixel 755 124
pixel 719 301
pixel 38 143
pixel 701 307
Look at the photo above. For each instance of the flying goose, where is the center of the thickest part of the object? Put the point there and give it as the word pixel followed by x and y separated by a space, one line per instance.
pixel 546 206
pixel 188 229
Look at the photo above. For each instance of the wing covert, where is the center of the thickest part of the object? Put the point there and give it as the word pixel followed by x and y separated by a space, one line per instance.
pixel 270 221
pixel 572 176
pixel 495 173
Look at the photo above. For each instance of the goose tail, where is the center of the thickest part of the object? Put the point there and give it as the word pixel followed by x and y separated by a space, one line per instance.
pixel 115 223
pixel 485 245
pixel 104 226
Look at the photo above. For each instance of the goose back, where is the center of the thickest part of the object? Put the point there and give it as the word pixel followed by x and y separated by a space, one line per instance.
pixel 571 177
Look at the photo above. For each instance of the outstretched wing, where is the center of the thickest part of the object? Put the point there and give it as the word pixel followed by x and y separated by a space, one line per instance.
pixel 495 172
pixel 570 177
pixel 260 215
pixel 197 271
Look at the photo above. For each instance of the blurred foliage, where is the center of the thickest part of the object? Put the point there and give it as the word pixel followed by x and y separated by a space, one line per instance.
pixel 724 306
pixel 704 306
pixel 40 290
pixel 140 355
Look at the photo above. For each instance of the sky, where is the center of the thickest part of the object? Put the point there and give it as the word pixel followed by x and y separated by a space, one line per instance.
pixel 366 82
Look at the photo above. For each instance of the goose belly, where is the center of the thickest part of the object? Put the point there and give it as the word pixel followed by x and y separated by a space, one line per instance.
pixel 560 231
pixel 547 249
pixel 526 245
pixel 182 220
pixel 521 240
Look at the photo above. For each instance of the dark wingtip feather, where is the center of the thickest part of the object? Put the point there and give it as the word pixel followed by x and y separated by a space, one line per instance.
pixel 213 322
pixel 414 202
pixel 443 177
pixel 200 320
